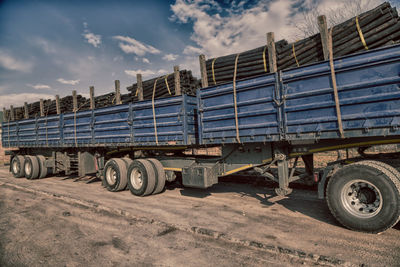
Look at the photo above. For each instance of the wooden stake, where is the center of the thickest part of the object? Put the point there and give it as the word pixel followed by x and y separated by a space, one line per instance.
pixel 26 111
pixel 4 114
pixel 58 109
pixel 271 52
pixel 139 86
pixel 74 101
pixel 11 112
pixel 91 93
pixel 177 79
pixel 323 29
pixel 203 71
pixel 117 93
pixel 41 108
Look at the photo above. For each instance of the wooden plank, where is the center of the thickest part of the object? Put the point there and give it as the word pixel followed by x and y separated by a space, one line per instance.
pixel 26 111
pixel 117 93
pixel 91 93
pixel 139 83
pixel 323 29
pixel 58 109
pixel 41 108
pixel 12 113
pixel 177 79
pixel 271 52
pixel 203 71
pixel 74 101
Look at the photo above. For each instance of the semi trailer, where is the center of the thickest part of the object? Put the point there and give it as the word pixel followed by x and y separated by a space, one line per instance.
pixel 264 123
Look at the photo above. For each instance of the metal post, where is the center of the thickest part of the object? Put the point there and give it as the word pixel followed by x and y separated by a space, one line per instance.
pixel 117 93
pixel 41 108
pixel 203 71
pixel 139 86
pixel 58 109
pixel 92 103
pixel 12 113
pixel 74 100
pixel 177 79
pixel 271 52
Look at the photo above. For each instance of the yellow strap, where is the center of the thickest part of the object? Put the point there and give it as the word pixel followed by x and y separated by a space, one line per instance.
pixel 212 68
pixel 335 90
pixel 154 110
pixel 137 91
pixel 235 99
pixel 166 83
pixel 361 34
pixel 294 55
pixel 265 60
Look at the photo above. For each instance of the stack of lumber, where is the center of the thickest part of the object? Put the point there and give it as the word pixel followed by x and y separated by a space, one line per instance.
pixel 165 86
pixel 379 27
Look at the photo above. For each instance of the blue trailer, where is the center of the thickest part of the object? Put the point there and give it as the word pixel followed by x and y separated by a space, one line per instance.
pixel 265 123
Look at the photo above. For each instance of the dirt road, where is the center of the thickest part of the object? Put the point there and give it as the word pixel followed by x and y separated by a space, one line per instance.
pixel 56 222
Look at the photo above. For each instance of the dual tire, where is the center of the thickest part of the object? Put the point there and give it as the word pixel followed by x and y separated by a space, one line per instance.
pixel 31 167
pixel 365 196
pixel 142 176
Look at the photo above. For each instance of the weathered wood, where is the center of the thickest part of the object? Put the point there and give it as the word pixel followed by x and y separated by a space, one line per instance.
pixel 117 93
pixel 139 86
pixel 177 80
pixel 203 71
pixel 271 52
pixel 74 101
pixel 4 114
pixel 41 108
pixel 26 111
pixel 323 30
pixel 91 93
pixel 58 110
pixel 12 113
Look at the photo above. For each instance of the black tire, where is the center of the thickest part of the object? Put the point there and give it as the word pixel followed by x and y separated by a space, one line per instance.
pixel 31 167
pixel 141 177
pixel 42 167
pixel 364 196
pixel 128 163
pixel 17 166
pixel 115 175
pixel 160 175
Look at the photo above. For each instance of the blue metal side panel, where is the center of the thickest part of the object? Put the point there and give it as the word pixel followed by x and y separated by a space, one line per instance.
pixel 258 117
pixel 9 134
pixel 369 96
pixel 48 131
pixel 26 131
pixel 111 125
pixel 77 128
pixel 170 117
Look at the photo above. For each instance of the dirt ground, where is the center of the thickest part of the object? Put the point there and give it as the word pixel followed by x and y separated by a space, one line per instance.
pixel 56 222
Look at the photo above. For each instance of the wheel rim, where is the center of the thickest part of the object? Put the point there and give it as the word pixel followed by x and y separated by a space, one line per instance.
pixel 15 167
pixel 136 178
pixel 361 199
pixel 28 168
pixel 111 176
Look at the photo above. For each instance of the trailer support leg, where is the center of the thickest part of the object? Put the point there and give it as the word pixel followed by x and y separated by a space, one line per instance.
pixel 283 175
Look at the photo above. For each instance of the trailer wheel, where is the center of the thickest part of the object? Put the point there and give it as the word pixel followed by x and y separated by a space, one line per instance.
pixel 115 175
pixel 160 175
pixel 128 163
pixel 42 167
pixel 364 196
pixel 17 166
pixel 141 177
pixel 31 167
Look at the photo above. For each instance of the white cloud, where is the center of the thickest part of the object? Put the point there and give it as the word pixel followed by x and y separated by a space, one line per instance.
pixel 170 57
pixel 236 29
pixel 91 38
pixel 10 63
pixel 132 46
pixel 45 45
pixel 19 99
pixel 143 72
pixel 39 86
pixel 70 82
pixel 145 60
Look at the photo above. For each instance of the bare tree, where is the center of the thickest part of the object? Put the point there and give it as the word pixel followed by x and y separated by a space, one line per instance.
pixel 343 10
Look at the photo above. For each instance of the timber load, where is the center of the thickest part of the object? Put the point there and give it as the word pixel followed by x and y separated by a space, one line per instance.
pixel 375 28
pixel 165 86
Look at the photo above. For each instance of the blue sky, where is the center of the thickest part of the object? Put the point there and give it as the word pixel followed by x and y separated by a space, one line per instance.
pixel 53 47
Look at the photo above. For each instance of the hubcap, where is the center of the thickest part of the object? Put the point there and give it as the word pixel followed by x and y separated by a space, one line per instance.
pixel 28 168
pixel 136 178
pixel 361 199
pixel 111 176
pixel 15 167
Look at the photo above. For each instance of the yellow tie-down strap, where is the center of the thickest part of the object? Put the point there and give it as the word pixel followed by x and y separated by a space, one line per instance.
pixel 360 33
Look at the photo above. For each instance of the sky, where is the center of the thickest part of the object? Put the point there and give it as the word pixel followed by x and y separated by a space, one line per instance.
pixel 54 47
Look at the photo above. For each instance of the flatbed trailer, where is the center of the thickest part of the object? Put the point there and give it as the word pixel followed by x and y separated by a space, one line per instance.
pixel 265 123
